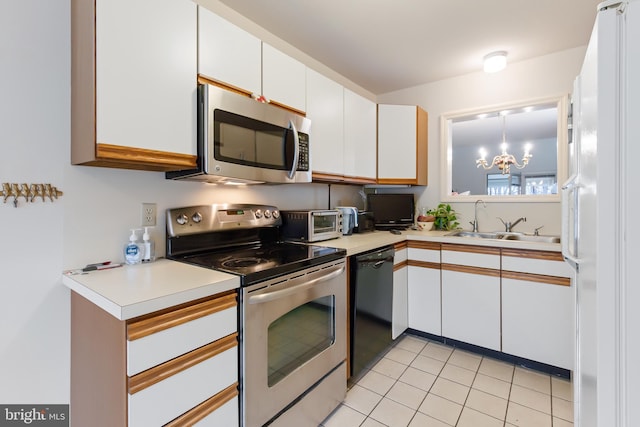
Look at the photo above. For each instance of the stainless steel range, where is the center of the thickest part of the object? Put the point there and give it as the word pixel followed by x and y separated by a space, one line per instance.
pixel 292 309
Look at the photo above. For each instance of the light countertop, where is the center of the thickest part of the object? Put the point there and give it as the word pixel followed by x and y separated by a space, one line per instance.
pixel 362 242
pixel 133 290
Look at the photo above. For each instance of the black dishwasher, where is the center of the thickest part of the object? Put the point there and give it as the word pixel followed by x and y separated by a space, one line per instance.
pixel 371 298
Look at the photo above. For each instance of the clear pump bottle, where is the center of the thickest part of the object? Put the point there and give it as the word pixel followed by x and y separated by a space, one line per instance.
pixel 149 247
pixel 133 251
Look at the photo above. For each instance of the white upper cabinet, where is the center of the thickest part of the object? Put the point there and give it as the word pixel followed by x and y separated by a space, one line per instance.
pixel 402 144
pixel 360 152
pixel 283 78
pixel 133 83
pixel 325 110
pixel 228 54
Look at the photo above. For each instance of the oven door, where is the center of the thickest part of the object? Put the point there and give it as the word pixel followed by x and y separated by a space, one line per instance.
pixel 293 335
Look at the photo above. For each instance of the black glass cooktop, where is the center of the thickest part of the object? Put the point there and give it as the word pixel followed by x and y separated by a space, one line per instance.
pixel 264 261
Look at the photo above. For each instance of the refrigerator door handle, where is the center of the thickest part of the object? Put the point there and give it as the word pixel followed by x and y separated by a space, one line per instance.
pixel 570 220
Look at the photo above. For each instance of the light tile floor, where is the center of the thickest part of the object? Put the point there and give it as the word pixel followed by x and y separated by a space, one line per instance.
pixel 421 383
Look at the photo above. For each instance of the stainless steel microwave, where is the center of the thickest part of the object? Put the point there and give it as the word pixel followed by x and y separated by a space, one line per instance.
pixel 241 140
pixel 312 225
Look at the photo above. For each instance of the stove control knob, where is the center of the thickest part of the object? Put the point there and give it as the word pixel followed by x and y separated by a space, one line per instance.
pixel 276 214
pixel 258 213
pixel 267 214
pixel 182 219
pixel 196 217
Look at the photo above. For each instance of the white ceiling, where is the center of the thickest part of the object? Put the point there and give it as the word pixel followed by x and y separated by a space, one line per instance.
pixel 386 45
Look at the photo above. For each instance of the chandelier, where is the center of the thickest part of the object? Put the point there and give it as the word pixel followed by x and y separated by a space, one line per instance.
pixel 505 160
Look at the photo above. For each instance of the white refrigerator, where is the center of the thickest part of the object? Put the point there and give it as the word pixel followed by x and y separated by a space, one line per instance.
pixel 601 231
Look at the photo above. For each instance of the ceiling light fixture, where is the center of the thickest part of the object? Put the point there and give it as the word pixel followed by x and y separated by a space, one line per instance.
pixel 495 61
pixel 504 160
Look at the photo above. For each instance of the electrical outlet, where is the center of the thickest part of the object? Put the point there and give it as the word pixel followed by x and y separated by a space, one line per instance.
pixel 149 211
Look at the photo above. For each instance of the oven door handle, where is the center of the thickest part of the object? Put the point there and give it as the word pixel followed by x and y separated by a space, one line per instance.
pixel 272 295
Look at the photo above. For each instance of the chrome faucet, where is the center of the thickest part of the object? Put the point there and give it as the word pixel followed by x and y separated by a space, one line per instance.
pixel 508 226
pixel 474 223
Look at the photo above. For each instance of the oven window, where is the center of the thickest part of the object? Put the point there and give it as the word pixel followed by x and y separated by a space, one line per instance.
pixel 325 223
pixel 299 335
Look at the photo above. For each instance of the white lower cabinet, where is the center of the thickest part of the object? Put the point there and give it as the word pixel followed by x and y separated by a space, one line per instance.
pixel 424 304
pixel 174 367
pixel 538 307
pixel 399 320
pixel 471 294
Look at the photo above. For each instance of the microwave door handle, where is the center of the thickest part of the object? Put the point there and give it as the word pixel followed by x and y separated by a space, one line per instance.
pixel 273 295
pixel 296 150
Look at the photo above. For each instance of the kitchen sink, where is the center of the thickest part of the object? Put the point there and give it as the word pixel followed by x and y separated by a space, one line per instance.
pixel 482 235
pixel 505 236
pixel 529 238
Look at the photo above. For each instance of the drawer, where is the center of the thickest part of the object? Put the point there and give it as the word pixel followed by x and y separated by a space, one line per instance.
pixel 475 256
pixel 167 391
pixel 400 256
pixel 219 410
pixel 152 340
pixel 536 262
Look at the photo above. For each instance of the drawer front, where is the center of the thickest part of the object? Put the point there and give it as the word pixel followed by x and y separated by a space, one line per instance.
pixel 426 255
pixel 482 257
pixel 535 265
pixel 400 256
pixel 220 410
pixel 227 415
pixel 176 393
pixel 194 328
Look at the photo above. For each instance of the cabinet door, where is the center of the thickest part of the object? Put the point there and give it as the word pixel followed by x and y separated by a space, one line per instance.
pixel 146 74
pixel 471 294
pixel 399 320
pixel 402 144
pixel 325 109
pixel 537 319
pixel 360 154
pixel 424 299
pixel 283 78
pixel 228 54
pixel 471 308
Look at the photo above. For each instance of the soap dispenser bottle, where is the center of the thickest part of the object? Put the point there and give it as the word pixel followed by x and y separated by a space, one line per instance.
pixel 133 251
pixel 148 246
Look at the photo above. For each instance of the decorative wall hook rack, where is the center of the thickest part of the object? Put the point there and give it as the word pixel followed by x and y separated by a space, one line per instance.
pixel 29 191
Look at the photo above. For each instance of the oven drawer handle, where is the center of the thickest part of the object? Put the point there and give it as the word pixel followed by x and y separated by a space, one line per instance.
pixel 270 296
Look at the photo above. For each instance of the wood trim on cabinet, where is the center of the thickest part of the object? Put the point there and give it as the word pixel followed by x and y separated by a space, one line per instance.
pixel 471 270
pixel 146 325
pixel 398 246
pixel 539 278
pixel 422 152
pixel 424 264
pixel 487 250
pixel 341 179
pixel 161 372
pixel 397 181
pixel 400 265
pixel 108 155
pixel 205 408
pixel 98 368
pixel 533 254
pixel 207 80
pixel 419 244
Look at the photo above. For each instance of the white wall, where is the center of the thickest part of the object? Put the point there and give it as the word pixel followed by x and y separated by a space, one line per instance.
pixel 546 76
pixel 90 221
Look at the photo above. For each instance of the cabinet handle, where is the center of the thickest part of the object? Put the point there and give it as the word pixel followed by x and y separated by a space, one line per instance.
pixel 158 373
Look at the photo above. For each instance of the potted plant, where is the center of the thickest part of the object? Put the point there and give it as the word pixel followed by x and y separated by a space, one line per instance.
pixel 445 217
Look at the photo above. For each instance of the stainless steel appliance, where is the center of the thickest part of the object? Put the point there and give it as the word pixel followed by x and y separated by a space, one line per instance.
pixel 292 309
pixel 371 288
pixel 246 141
pixel 312 225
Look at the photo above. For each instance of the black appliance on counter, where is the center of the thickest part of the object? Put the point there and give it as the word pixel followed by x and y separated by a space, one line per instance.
pixel 365 222
pixel 391 211
pixel 371 296
pixel 292 301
